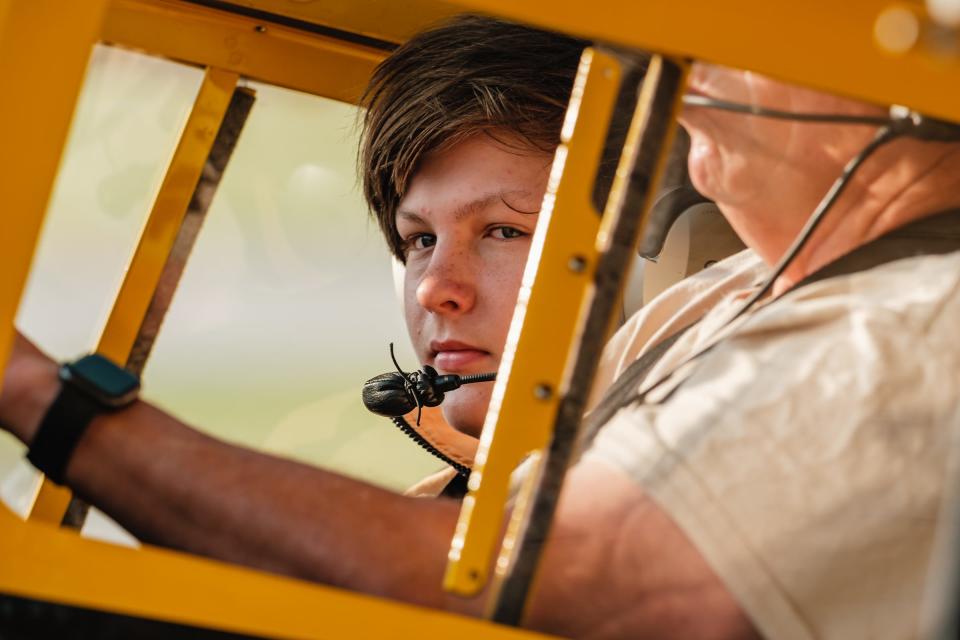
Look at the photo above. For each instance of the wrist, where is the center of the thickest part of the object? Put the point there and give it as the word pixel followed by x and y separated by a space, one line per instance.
pixel 87 387
pixel 28 389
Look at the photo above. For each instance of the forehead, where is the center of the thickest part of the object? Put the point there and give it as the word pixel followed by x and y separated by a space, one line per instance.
pixel 474 169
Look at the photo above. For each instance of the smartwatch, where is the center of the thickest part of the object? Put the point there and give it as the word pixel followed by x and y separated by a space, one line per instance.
pixel 90 386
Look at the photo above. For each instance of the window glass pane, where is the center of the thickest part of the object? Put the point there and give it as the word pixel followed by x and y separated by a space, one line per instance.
pixel 287 304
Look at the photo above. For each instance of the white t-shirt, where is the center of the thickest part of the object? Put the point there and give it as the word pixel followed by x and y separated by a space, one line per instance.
pixel 804 455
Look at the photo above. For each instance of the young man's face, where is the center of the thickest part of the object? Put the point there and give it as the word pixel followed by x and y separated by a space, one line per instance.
pixel 466 222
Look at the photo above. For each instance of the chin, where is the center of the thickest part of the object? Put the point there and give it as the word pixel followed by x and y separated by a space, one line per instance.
pixel 466 413
pixel 464 421
pixel 724 178
pixel 701 165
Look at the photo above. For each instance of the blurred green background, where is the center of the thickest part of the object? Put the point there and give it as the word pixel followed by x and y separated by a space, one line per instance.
pixel 287 304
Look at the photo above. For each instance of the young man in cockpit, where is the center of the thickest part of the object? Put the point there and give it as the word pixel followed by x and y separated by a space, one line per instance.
pixel 458 141
pixel 457 146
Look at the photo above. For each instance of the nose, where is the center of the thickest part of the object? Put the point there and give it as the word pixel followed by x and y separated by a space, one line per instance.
pixel 448 286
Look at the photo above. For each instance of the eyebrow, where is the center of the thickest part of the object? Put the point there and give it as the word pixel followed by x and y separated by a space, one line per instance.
pixel 477 204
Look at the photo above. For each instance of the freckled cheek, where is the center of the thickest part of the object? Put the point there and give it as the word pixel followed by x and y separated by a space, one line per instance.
pixel 504 263
pixel 501 286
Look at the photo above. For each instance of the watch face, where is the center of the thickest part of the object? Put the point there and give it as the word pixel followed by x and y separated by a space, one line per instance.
pixel 107 382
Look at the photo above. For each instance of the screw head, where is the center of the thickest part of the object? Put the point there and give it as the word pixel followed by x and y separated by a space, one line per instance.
pixel 543 391
pixel 577 264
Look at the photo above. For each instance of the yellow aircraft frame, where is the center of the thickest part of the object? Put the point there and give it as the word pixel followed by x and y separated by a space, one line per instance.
pixel 289 44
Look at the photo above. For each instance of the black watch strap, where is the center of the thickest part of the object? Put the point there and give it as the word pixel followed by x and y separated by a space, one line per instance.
pixel 60 430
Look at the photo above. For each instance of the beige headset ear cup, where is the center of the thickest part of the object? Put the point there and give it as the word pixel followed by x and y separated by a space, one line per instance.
pixel 699 237
pixel 399 272
pixel 632 298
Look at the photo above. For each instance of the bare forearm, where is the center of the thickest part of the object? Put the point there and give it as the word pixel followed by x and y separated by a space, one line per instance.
pixel 174 486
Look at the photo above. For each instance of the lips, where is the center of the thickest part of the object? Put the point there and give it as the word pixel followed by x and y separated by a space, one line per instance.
pixel 455 356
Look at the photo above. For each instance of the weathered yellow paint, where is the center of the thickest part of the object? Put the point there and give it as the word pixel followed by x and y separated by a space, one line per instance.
pixel 54 565
pixel 524 400
pixel 44 48
pixel 278 55
pixel 823 44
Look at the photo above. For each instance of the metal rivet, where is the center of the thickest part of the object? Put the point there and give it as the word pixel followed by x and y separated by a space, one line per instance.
pixel 260 28
pixel 577 264
pixel 896 30
pixel 543 391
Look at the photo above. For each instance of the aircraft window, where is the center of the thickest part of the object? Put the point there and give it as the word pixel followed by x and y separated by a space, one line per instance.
pixel 286 305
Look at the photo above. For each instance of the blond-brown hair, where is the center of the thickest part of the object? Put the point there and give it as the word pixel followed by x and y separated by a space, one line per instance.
pixel 470 75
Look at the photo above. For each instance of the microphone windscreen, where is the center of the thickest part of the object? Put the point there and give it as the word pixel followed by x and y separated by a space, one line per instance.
pixel 387 395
